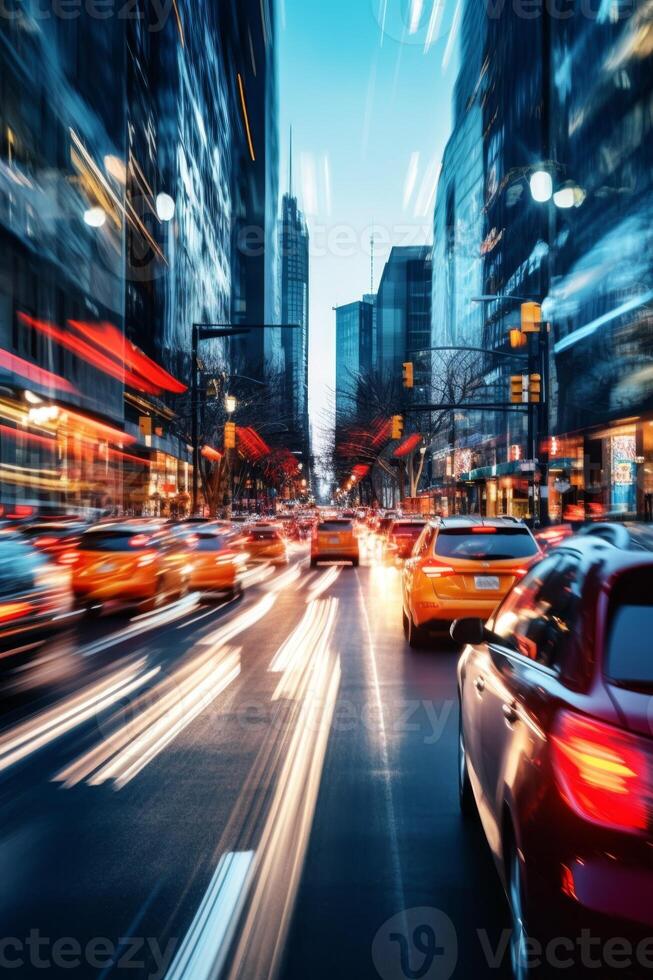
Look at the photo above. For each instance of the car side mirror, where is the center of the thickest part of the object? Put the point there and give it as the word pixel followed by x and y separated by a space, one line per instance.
pixel 468 631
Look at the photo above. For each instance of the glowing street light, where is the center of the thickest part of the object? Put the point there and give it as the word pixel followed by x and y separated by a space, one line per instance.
pixel 570 195
pixel 230 404
pixel 541 186
pixel 94 217
pixel 165 207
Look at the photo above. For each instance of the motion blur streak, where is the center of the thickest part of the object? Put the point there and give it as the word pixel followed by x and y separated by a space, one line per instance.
pixel 385 756
pixel 240 623
pixel 287 578
pixel 324 582
pixel 280 855
pixel 173 705
pixel 33 734
pixel 143 623
pixel 212 928
pixel 310 638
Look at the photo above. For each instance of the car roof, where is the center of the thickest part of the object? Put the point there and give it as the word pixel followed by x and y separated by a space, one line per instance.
pixel 476 520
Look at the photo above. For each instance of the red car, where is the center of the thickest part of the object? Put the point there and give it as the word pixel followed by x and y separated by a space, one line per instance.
pixel 556 751
pixel 402 535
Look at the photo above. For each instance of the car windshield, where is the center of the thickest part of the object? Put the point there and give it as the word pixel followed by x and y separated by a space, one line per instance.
pixel 629 661
pixel 263 534
pixel 211 542
pixel 485 543
pixel 115 541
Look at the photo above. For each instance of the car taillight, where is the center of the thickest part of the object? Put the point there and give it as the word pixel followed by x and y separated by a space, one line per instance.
pixel 68 557
pixel 13 610
pixel 604 774
pixel 436 569
pixel 45 541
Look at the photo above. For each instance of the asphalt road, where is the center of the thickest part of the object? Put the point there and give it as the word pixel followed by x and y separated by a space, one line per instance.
pixel 261 788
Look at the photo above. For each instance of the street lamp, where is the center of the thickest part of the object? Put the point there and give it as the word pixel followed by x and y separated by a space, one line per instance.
pixel 541 184
pixel 165 207
pixel 94 217
pixel 230 404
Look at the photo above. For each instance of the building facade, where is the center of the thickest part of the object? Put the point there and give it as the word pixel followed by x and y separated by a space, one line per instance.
pixel 354 338
pixel 403 317
pixel 135 160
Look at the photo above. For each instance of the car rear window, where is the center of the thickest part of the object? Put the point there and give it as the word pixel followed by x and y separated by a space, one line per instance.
pixel 263 534
pixel 115 541
pixel 487 544
pixel 629 657
pixel 407 530
pixel 334 526
pixel 212 542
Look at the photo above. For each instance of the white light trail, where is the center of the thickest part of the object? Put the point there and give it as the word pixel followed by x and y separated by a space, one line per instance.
pixel 324 582
pixel 24 739
pixel 435 20
pixel 203 950
pixel 416 10
pixel 411 178
pixel 453 34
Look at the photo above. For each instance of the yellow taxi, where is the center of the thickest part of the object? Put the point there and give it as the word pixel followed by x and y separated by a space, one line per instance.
pixel 130 562
pixel 462 567
pixel 334 539
pixel 265 542
pixel 218 561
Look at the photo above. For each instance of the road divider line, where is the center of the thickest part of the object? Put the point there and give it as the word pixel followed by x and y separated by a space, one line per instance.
pixel 204 947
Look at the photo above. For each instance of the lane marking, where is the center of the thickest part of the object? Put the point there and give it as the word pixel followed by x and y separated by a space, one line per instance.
pixel 143 624
pixel 207 941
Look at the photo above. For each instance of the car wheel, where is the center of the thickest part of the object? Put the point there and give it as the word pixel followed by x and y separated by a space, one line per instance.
pixel 416 635
pixel 519 934
pixel 404 621
pixel 465 791
pixel 157 600
pixel 354 563
pixel 313 562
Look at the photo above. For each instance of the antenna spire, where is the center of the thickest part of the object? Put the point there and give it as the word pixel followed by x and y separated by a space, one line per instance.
pixel 290 166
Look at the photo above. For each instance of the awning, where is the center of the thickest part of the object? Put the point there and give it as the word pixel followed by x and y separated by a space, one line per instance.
pixel 520 467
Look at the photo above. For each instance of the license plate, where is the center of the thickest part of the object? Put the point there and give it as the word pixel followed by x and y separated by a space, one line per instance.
pixel 334 539
pixel 487 583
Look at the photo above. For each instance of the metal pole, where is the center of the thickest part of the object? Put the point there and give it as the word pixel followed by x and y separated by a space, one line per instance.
pixel 194 420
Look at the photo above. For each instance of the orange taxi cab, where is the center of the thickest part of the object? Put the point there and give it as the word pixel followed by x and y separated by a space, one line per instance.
pixel 218 561
pixel 460 568
pixel 265 542
pixel 130 563
pixel 334 539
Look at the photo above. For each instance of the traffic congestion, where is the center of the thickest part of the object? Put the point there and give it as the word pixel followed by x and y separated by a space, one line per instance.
pixel 496 688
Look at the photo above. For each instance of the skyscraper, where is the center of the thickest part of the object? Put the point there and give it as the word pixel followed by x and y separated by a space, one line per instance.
pixel 294 311
pixel 403 316
pixel 354 323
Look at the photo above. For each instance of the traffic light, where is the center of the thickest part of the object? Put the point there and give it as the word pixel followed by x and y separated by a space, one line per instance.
pixel 535 388
pixel 517 338
pixel 230 435
pixel 397 427
pixel 409 375
pixel 518 388
pixel 531 317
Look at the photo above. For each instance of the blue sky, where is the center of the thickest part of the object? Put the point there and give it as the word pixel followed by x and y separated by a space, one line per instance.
pixel 367 87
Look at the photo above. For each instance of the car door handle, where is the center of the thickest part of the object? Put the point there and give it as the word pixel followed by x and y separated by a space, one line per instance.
pixel 510 713
pixel 479 684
